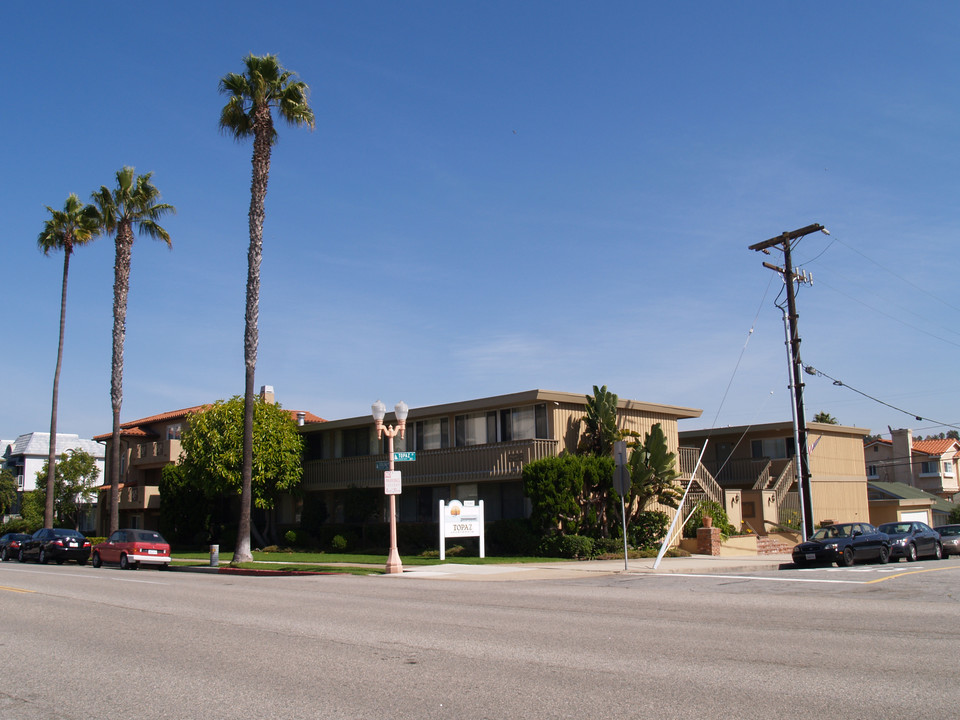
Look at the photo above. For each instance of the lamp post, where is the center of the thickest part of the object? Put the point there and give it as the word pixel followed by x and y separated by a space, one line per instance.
pixel 379 411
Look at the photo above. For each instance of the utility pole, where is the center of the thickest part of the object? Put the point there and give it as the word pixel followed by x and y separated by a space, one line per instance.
pixel 789 278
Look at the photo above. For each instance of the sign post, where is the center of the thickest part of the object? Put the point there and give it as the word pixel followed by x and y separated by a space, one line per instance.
pixel 621 483
pixel 460 519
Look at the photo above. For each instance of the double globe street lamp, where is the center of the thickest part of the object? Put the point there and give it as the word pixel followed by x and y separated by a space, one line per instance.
pixel 393 487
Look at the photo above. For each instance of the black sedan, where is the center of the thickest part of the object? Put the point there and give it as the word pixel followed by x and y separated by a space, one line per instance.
pixel 57 544
pixel 949 539
pixel 10 545
pixel 844 544
pixel 911 539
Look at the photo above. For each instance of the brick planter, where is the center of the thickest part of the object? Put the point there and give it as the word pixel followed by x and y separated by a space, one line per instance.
pixel 708 541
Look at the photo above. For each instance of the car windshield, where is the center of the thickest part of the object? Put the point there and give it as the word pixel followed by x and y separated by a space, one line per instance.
pixel 832 531
pixel 148 536
pixel 949 530
pixel 895 528
pixel 59 532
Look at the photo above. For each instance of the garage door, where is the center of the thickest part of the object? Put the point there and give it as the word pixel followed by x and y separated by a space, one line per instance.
pixel 915 516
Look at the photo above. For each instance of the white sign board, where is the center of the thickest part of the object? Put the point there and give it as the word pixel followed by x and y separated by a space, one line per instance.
pixel 391 482
pixel 460 519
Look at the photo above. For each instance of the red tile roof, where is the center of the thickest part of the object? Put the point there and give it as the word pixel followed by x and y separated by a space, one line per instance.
pixel 935 447
pixel 138 428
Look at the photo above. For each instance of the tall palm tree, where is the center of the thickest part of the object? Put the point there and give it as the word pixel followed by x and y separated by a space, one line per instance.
pixel 134 203
pixel 253 95
pixel 65 230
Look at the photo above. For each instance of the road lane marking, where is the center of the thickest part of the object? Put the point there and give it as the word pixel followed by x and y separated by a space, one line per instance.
pixel 769 579
pixel 13 589
pixel 913 572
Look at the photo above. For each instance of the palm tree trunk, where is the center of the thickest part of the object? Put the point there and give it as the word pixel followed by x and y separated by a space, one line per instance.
pixel 52 457
pixel 121 288
pixel 263 136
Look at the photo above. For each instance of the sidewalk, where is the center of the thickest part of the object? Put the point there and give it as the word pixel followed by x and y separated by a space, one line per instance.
pixel 706 564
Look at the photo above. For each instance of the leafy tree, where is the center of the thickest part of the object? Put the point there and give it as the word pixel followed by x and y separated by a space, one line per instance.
pixel 185 509
pixel 601 424
pixel 953 434
pixel 134 203
pixel 212 446
pixel 825 417
pixel 76 475
pixel 253 96
pixel 66 229
pixel 8 490
pixel 954 516
pixel 653 473
pixel 571 495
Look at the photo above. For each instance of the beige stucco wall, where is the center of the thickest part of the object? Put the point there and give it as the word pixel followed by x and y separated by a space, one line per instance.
pixel 840 501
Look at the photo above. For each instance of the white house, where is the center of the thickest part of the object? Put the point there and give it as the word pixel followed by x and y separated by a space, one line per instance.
pixel 26 455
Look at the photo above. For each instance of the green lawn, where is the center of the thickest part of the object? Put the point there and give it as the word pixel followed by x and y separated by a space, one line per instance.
pixel 261 559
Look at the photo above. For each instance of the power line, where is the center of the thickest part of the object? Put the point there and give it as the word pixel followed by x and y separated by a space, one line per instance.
pixel 810 370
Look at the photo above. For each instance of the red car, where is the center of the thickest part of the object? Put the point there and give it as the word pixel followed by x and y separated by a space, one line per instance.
pixel 132 548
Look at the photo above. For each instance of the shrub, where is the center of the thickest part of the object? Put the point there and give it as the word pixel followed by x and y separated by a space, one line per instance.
pixel 16 525
pixel 648 529
pixel 339 543
pixel 291 537
pixel 566 546
pixel 511 537
pixel 714 510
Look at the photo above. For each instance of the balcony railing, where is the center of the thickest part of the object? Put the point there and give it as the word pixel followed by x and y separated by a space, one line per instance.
pixel 495 461
pixel 151 453
pixel 688 461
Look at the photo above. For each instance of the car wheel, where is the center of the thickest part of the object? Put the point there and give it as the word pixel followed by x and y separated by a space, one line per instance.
pixel 846 559
pixel 43 557
pixel 21 557
pixel 97 562
pixel 124 563
pixel 884 555
pixel 938 552
pixel 6 555
pixel 911 553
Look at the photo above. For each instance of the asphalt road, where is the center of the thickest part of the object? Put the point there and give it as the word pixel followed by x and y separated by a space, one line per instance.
pixel 867 642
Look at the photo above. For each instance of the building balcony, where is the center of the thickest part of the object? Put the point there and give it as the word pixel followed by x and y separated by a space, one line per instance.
pixel 477 463
pixel 159 452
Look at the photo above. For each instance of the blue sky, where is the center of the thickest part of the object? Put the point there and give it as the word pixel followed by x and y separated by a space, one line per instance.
pixel 497 197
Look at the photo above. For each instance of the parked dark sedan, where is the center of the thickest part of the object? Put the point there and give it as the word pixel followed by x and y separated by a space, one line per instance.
pixel 949 538
pixel 911 539
pixel 844 544
pixel 57 544
pixel 10 545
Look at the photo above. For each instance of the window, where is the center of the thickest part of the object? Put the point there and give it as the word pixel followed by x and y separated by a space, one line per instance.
pixel 872 471
pixel 773 448
pixel 356 442
pixel 433 434
pixel 524 423
pixel 173 432
pixel 948 467
pixel 475 429
pixel 930 467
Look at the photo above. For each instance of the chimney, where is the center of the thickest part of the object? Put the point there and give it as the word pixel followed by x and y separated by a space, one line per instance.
pixel 266 394
pixel 301 417
pixel 903 456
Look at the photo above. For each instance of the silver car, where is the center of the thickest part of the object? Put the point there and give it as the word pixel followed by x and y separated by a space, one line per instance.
pixel 949 539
